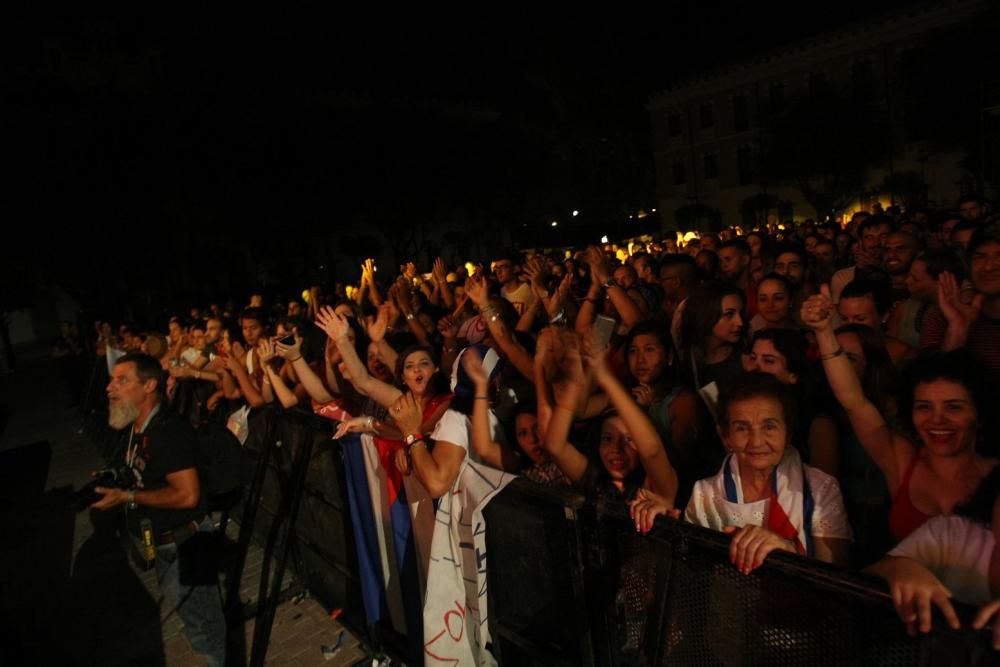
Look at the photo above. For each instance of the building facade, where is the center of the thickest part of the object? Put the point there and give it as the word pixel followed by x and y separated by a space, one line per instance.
pixel 711 132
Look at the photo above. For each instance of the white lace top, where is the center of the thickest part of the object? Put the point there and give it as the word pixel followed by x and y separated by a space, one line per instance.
pixel 709 507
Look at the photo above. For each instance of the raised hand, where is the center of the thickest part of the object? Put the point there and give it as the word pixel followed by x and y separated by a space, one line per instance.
pixel 289 352
pixel 476 289
pixel 817 311
pixel 594 256
pixel 448 327
pixel 377 329
pixel 439 271
pixel 473 365
pixel 333 323
pixel 537 270
pixel 594 355
pixel 957 313
pixel 407 414
pixel 331 353
pixel 368 271
pixel 265 350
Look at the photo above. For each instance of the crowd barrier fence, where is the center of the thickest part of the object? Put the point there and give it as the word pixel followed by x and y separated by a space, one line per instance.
pixel 570 581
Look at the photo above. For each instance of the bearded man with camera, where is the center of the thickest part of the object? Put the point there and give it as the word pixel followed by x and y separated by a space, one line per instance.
pixel 165 500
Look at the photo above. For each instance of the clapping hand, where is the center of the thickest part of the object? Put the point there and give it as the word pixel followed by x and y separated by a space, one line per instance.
pixel 439 271
pixel 476 289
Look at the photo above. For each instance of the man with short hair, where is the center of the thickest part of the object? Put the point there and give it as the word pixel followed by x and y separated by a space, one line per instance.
pixel 900 250
pixel 647 269
pixel 961 234
pixel 825 260
pixel 791 261
pixel 161 454
pixel 874 232
pixel 734 265
pixel 970 207
pixel 866 302
pixel 505 271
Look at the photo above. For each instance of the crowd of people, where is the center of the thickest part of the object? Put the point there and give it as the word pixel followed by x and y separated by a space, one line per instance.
pixel 817 388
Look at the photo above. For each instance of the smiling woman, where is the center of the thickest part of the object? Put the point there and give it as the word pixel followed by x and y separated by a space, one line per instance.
pixel 936 466
pixel 764 495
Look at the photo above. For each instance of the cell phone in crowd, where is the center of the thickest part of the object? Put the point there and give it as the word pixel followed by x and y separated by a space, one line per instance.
pixel 603 328
pixel 287 340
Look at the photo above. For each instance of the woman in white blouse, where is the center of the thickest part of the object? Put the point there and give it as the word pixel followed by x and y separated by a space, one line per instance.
pixel 764 496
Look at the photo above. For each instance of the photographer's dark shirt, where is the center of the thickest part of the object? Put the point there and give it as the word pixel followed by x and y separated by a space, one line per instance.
pixel 167 445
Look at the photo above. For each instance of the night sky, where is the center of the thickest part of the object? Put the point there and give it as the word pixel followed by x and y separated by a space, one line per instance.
pixel 162 155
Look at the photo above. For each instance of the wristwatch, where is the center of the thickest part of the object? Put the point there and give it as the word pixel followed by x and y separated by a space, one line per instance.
pixel 610 282
pixel 131 500
pixel 412 438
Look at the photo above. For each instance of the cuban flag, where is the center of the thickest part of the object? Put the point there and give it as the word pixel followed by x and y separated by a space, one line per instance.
pixel 392 520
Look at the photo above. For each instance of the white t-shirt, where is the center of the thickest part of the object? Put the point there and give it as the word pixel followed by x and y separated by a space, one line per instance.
pixel 709 507
pixel 522 297
pixel 957 550
pixel 456 428
pixel 191 355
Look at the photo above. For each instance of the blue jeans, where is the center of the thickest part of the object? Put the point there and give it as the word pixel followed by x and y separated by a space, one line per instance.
pixel 199 605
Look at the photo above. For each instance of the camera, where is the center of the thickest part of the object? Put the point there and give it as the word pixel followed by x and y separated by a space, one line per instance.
pixel 121 477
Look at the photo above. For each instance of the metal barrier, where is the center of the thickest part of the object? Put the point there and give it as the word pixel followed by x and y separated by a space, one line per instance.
pixel 672 597
pixel 572 583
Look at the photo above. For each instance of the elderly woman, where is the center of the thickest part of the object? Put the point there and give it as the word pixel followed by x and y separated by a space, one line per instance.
pixel 764 495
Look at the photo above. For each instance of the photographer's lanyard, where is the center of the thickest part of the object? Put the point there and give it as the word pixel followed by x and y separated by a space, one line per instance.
pixel 133 449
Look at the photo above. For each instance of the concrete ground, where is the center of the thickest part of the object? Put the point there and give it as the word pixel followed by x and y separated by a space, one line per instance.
pixel 68 595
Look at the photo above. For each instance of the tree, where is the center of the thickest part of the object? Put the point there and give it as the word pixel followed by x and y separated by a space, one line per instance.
pixel 755 209
pixel 823 146
pixel 698 216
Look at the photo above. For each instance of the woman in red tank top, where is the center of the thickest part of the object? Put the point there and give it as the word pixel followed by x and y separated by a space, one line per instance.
pixel 937 466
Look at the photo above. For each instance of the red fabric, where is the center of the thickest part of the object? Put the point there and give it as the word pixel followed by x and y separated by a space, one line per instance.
pixel 778 522
pixel 904 517
pixel 335 410
pixel 387 450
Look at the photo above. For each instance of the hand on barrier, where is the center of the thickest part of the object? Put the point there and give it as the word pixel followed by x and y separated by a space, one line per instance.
pixel 355 425
pixel 752 544
pixel 984 615
pixel 646 507
pixel 914 590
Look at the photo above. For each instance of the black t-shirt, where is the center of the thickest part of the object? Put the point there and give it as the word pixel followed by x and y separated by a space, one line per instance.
pixel 168 445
